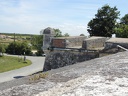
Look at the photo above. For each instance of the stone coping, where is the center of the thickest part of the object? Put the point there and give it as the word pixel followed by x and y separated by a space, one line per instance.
pixel 118 40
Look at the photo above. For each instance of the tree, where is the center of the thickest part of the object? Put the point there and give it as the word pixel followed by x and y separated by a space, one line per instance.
pixel 122 28
pixel 66 35
pixel 24 47
pixel 122 31
pixel 13 48
pixel 82 35
pixel 37 41
pixel 104 22
pixel 2 49
pixel 124 20
pixel 19 48
pixel 58 33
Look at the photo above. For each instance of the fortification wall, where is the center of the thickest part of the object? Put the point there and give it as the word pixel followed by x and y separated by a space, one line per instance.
pixel 59 59
pixel 94 42
pixel 113 42
pixel 76 41
pixel 67 42
pixel 102 76
pixel 109 45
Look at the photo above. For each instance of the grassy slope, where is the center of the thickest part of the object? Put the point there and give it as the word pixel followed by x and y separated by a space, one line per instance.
pixel 8 63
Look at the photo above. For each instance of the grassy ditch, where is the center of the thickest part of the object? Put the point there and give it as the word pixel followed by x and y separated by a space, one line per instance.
pixel 8 63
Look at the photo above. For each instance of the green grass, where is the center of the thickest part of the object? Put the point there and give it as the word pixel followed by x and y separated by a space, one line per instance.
pixel 8 63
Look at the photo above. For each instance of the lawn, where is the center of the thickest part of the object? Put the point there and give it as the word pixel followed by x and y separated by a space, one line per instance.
pixel 8 63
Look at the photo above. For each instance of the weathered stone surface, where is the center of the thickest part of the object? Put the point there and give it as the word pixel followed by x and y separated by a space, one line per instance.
pixel 49 31
pixel 59 59
pixel 106 76
pixel 113 42
pixel 68 42
pixel 48 34
pixel 93 43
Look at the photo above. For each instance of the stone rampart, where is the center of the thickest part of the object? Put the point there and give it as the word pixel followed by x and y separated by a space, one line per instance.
pixel 106 76
pixel 94 43
pixel 59 59
pixel 67 42
pixel 113 42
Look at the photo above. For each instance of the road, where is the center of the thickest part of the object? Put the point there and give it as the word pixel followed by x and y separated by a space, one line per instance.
pixel 36 66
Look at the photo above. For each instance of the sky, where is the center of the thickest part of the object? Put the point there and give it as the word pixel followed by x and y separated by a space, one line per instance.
pixel 70 16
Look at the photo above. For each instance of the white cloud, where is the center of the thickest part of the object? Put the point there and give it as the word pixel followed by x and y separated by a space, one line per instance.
pixel 72 29
pixel 30 16
pixel 23 17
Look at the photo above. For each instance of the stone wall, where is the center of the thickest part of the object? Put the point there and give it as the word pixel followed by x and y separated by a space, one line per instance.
pixel 106 75
pixel 113 42
pixel 109 45
pixel 59 59
pixel 67 42
pixel 93 43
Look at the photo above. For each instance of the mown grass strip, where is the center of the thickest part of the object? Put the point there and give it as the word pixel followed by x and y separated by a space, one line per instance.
pixel 8 63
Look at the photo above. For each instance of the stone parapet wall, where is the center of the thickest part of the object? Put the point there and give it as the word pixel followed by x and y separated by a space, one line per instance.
pixel 109 45
pixel 67 42
pixel 59 59
pixel 76 41
pixel 94 43
pixel 113 42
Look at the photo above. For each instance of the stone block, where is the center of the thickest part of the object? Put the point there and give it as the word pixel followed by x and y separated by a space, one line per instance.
pixel 93 43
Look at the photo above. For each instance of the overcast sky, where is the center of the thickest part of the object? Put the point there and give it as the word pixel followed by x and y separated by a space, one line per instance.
pixel 70 16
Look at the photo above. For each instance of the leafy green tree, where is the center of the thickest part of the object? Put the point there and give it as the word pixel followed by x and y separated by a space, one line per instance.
pixel 124 20
pixel 13 48
pixel 122 31
pixel 122 28
pixel 104 22
pixel 19 48
pixel 58 33
pixel 24 47
pixel 66 35
pixel 37 41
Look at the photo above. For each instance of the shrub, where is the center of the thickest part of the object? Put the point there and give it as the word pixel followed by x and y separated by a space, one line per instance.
pixel 2 49
pixel 39 52
pixel 19 48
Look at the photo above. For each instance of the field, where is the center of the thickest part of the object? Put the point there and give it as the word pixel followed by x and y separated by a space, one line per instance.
pixel 7 38
pixel 8 63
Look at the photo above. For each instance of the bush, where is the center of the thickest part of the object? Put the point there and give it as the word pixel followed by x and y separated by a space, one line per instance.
pixel 39 52
pixel 19 48
pixel 2 49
